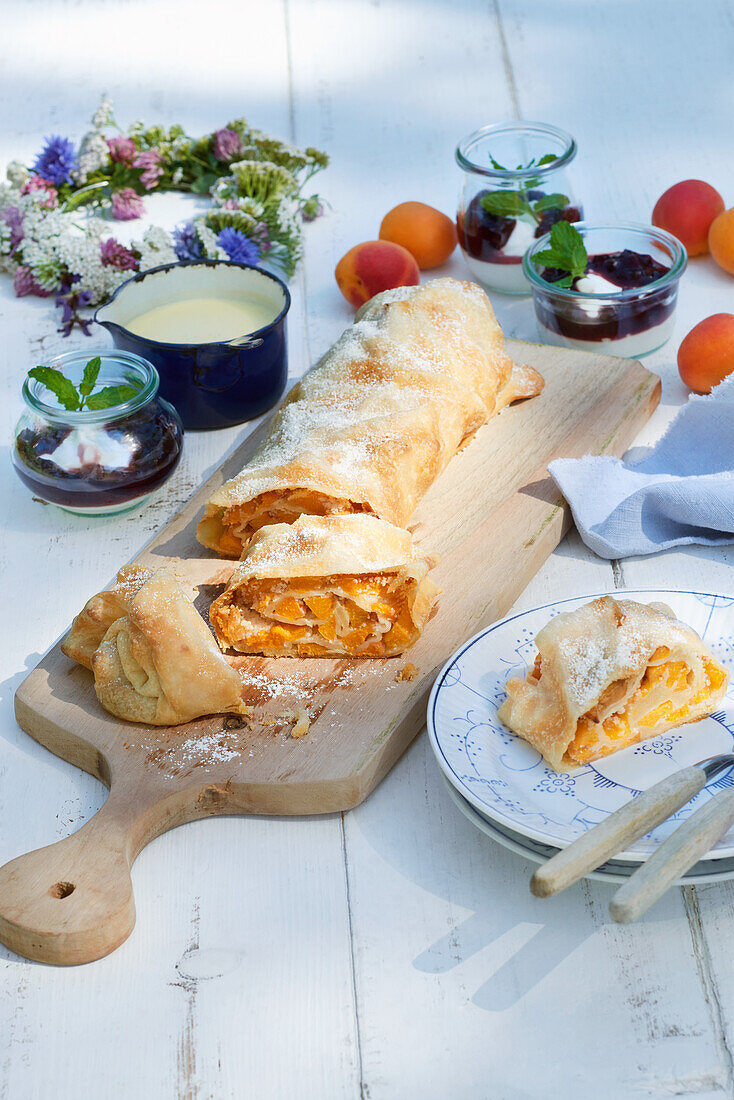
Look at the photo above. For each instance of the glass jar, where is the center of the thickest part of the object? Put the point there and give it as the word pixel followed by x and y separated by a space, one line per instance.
pixel 97 461
pixel 630 321
pixel 515 188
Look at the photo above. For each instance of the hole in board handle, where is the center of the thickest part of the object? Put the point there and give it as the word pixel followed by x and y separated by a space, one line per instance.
pixel 62 889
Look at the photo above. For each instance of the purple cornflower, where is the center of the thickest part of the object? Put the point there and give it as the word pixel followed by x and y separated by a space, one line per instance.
pixel 116 255
pixel 127 205
pixel 25 282
pixel 150 162
pixel 56 161
pixel 122 149
pixel 71 301
pixel 227 144
pixel 13 218
pixel 186 242
pixel 239 248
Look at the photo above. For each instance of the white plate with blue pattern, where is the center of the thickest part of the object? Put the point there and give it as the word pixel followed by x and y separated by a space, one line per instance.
pixel 614 870
pixel 509 782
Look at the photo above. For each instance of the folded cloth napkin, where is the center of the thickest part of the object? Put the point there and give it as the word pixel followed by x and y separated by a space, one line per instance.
pixel 681 491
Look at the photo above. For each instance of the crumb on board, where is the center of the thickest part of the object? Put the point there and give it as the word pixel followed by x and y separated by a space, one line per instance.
pixel 407 672
pixel 302 723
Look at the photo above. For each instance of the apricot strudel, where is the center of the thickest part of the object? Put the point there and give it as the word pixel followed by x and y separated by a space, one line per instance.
pixel 326 585
pixel 159 664
pixel 610 674
pixel 378 418
pixel 100 612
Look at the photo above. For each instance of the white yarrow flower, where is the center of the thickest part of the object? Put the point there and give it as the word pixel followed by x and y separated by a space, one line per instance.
pixel 17 173
pixel 103 115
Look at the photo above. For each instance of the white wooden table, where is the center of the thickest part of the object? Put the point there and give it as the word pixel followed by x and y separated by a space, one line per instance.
pixel 393 952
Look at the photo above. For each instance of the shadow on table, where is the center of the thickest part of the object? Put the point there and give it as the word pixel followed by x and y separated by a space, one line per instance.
pixel 444 854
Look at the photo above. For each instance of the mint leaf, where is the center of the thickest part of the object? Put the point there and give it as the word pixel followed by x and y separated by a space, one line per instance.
pixel 567 252
pixel 61 387
pixel 506 204
pixel 496 164
pixel 111 395
pixel 547 159
pixel 550 202
pixel 90 376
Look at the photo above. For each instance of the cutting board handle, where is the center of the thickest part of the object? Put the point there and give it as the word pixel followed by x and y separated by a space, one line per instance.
pixel 72 901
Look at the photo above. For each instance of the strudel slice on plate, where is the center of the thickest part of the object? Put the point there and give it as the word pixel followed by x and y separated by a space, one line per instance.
pixel 348 585
pixel 375 422
pixel 159 664
pixel 610 674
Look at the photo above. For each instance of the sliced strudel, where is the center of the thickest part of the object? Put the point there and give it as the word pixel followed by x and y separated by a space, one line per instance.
pixel 348 585
pixel 610 674
pixel 375 422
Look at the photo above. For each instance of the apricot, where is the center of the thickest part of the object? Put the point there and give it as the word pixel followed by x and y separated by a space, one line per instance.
pixel 373 266
pixel 721 240
pixel 687 210
pixel 427 233
pixel 706 354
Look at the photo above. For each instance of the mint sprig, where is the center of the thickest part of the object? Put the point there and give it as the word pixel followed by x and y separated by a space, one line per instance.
pixel 566 252
pixel 75 398
pixel 548 158
pixel 513 204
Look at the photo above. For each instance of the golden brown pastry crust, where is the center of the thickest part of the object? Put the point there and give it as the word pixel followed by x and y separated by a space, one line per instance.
pixel 337 559
pixel 159 664
pixel 375 422
pixel 611 661
pixel 99 613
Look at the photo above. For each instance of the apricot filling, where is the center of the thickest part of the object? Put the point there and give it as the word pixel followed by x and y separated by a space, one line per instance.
pixel 360 616
pixel 594 740
pixel 241 522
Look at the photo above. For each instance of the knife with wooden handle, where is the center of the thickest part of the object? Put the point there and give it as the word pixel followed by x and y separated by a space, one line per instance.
pixel 673 858
pixel 631 821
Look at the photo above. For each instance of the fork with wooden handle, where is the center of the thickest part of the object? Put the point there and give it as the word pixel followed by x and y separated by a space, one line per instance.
pixel 631 821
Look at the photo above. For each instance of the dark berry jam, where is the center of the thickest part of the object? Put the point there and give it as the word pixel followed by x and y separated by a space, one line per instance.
pixel 577 319
pixel 104 465
pixel 483 235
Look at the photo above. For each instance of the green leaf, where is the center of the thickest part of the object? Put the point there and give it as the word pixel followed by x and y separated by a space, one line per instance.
pixel 506 204
pixel 567 251
pixel 61 387
pixel 547 159
pixel 550 202
pixel 203 183
pixel 496 164
pixel 111 395
pixel 89 377
pixel 93 193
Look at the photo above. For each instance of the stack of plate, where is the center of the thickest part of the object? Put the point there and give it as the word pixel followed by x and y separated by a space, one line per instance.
pixel 508 791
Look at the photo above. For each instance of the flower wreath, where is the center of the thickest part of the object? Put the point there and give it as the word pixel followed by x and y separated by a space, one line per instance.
pixel 255 182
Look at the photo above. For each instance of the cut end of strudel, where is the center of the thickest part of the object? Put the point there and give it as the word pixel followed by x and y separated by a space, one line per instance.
pixel 325 586
pixel 610 674
pixel 374 423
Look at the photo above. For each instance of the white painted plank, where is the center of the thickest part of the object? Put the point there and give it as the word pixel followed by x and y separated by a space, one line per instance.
pixel 238 974
pixel 438 912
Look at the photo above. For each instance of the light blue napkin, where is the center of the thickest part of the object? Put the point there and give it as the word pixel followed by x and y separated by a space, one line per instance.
pixel 680 491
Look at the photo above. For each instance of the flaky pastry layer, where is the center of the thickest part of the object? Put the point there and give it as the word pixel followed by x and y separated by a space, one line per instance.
pixel 608 675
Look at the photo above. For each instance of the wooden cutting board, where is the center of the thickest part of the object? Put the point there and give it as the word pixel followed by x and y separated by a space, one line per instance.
pixel 495 515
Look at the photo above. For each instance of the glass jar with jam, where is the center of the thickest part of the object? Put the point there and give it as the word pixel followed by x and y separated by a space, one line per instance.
pixel 515 188
pixel 98 461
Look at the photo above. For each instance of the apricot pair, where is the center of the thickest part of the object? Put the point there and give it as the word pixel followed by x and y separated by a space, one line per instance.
pixel 694 212
pixel 412 236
